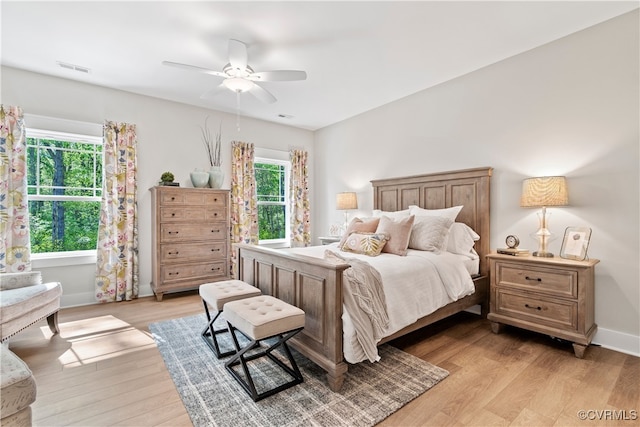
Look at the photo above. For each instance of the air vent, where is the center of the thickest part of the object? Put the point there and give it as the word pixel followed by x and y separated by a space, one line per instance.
pixel 73 67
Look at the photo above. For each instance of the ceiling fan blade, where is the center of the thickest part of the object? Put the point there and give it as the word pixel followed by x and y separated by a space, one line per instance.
pixel 194 68
pixel 237 55
pixel 213 92
pixel 278 76
pixel 262 94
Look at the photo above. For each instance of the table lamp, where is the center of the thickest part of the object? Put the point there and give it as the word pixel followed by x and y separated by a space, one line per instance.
pixel 346 201
pixel 542 192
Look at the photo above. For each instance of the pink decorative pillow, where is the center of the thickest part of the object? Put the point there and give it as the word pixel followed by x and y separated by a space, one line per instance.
pixel 361 226
pixel 399 231
pixel 365 243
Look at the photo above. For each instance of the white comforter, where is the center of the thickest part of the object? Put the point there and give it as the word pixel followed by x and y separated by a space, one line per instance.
pixel 415 286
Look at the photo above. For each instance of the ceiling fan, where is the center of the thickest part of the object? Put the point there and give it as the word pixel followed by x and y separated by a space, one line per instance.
pixel 239 76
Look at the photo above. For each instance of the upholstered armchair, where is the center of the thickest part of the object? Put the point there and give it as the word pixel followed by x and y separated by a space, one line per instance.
pixel 25 300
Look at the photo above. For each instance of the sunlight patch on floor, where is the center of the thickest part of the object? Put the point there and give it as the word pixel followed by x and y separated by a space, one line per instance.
pixel 99 338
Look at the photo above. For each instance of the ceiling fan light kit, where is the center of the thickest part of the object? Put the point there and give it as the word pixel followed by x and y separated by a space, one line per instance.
pixel 238 84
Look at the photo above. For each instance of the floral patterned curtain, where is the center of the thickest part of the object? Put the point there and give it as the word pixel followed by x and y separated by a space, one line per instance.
pixel 15 246
pixel 299 200
pixel 117 255
pixel 244 199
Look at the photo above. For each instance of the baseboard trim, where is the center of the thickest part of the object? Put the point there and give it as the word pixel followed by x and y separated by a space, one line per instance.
pixel 89 298
pixel 618 341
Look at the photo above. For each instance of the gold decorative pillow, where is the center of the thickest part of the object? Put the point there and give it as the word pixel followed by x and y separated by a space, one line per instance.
pixel 365 243
pixel 360 226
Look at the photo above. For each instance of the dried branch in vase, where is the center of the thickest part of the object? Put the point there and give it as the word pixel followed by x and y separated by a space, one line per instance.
pixel 212 146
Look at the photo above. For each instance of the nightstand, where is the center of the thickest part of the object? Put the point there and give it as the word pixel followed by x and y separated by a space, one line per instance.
pixel 330 239
pixel 553 296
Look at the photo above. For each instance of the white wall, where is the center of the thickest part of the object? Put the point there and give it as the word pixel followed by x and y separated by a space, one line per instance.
pixel 169 139
pixel 567 108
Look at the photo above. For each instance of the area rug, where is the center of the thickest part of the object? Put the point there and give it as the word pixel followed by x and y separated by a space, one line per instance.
pixel 371 391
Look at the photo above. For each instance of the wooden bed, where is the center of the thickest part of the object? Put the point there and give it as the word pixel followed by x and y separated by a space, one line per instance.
pixel 316 286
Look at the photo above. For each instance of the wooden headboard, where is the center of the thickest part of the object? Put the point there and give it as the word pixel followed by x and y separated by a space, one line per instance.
pixel 468 187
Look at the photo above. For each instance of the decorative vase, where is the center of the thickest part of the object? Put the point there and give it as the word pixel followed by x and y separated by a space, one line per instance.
pixel 200 178
pixel 216 177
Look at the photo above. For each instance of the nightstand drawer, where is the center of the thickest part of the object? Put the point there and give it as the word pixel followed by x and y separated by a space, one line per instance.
pixel 538 279
pixel 552 312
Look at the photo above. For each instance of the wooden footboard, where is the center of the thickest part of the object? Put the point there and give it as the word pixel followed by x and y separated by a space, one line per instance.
pixel 310 283
pixel 315 286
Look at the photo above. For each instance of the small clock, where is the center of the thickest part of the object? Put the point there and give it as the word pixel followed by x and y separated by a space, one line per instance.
pixel 512 241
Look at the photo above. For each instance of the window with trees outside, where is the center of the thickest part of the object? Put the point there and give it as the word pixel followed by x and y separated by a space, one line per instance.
pixel 64 184
pixel 272 185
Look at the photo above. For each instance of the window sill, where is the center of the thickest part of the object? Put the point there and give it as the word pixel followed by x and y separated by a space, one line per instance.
pixel 275 245
pixel 62 260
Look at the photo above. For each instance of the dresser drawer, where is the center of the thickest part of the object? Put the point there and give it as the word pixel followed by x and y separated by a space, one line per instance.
pixel 560 282
pixel 208 270
pixel 193 252
pixel 188 232
pixel 179 213
pixel 202 197
pixel 548 311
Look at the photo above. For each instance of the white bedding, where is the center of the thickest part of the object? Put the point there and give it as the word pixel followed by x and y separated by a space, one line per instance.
pixel 415 286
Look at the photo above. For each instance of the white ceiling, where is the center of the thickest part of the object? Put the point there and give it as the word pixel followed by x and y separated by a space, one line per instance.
pixel 358 55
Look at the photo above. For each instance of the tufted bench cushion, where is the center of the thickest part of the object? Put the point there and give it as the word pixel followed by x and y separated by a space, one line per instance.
pixel 217 294
pixel 17 389
pixel 263 316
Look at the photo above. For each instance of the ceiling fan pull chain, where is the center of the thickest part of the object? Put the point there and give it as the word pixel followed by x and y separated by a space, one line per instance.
pixel 238 110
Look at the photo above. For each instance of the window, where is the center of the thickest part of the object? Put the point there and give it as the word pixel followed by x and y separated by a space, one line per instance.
pixel 64 185
pixel 272 182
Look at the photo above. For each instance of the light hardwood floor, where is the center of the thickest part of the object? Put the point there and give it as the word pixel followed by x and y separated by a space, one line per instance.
pixel 104 370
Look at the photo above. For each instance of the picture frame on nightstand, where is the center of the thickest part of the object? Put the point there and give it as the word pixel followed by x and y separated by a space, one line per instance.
pixel 575 243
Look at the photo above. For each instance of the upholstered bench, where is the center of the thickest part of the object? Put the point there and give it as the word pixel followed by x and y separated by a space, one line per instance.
pixel 17 389
pixel 216 295
pixel 261 318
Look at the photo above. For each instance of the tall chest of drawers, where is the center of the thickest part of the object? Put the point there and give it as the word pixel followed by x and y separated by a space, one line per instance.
pixel 190 238
pixel 553 296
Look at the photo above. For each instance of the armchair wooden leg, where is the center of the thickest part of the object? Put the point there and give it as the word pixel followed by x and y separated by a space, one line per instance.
pixel 52 320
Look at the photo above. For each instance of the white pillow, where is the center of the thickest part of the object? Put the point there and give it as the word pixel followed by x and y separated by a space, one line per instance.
pixel 393 215
pixel 451 213
pixel 429 233
pixel 461 238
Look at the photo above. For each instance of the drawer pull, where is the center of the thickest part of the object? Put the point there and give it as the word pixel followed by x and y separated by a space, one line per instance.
pixel 215 231
pixel 215 269
pixel 215 250
pixel 174 253
pixel 173 232
pixel 173 198
pixel 173 214
pixel 537 279
pixel 215 200
pixel 532 307
pixel 174 274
